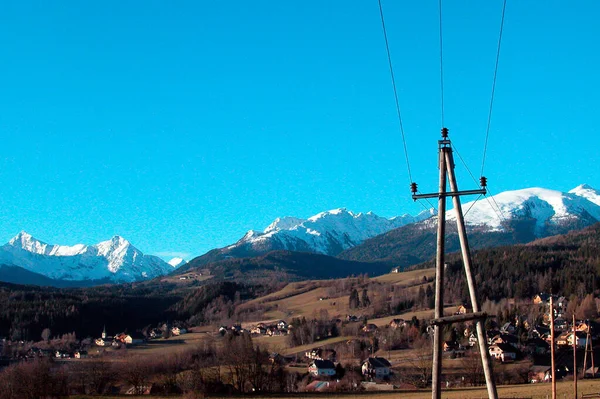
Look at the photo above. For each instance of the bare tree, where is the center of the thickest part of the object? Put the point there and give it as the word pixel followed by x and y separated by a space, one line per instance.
pixel 46 334
pixel 136 372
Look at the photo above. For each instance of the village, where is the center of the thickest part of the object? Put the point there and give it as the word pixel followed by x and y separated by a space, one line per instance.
pixel 351 351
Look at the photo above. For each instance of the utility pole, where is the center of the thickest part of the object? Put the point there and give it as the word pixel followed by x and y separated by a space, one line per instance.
pixel 446 166
pixel 589 348
pixel 574 359
pixel 552 348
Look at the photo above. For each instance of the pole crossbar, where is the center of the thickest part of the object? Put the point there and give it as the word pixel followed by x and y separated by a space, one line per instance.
pixel 459 318
pixel 449 194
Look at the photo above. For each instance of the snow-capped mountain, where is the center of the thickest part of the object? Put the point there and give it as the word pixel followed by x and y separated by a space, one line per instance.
pixel 511 217
pixel 176 262
pixel 326 233
pixel 115 260
pixel 548 210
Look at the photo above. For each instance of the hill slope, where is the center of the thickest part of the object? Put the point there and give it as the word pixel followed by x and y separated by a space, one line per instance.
pixel 286 266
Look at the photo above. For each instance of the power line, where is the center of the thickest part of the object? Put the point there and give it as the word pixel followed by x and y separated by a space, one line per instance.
pixel 441 64
pixel 465 164
pixel 487 132
pixel 387 47
pixel 472 205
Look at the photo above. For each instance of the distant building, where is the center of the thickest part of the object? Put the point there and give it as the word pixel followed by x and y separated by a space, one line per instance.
pixel 376 367
pixel 462 309
pixel 503 352
pixel 322 368
pixel 370 328
pixel 397 323
pixel 321 354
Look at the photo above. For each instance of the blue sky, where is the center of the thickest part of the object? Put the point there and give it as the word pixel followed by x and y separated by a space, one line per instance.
pixel 181 127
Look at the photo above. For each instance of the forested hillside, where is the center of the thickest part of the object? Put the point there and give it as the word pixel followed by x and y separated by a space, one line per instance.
pixel 25 310
pixel 567 265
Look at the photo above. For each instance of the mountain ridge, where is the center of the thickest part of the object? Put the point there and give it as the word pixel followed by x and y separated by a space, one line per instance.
pixel 115 260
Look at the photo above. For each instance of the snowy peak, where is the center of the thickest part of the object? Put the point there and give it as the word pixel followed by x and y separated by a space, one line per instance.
pixel 587 192
pixel 284 223
pixel 26 241
pixel 177 262
pixel 115 259
pixel 546 207
pixel 328 232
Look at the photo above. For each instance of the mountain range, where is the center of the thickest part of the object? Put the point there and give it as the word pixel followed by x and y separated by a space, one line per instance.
pixel 111 261
pixel 372 242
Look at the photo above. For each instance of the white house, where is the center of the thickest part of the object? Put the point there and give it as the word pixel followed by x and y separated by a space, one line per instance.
pixel 581 339
pixel 503 352
pixel 322 368
pixel 377 367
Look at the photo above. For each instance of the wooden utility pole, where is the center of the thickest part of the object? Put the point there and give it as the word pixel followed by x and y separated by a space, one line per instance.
pixel 574 360
pixel 446 165
pixel 552 348
pixel 589 348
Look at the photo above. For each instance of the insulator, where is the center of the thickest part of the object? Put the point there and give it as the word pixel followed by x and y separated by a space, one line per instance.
pixel 483 181
pixel 413 188
pixel 445 132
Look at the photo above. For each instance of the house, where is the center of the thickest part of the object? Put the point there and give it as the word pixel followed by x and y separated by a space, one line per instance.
pixel 540 374
pixel 490 335
pixel 462 309
pixel 541 298
pixel 156 333
pixel 275 332
pixel 508 328
pixel 123 338
pixel 537 346
pixel 562 339
pixel 137 390
pixel 376 367
pixel 506 339
pixel 321 354
pixel 62 355
pixel 370 328
pixel 322 368
pixel 281 324
pixel 503 352
pixel 258 330
pixel 103 341
pixel 396 270
pixel 237 328
pixel 472 339
pixel 582 326
pixel 580 340
pixel 80 355
pixel 560 324
pixel 397 323
pixel 539 331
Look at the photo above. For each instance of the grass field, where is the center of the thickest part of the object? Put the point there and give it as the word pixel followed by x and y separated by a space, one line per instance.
pixel 533 391
pixel 406 279
pixel 307 298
